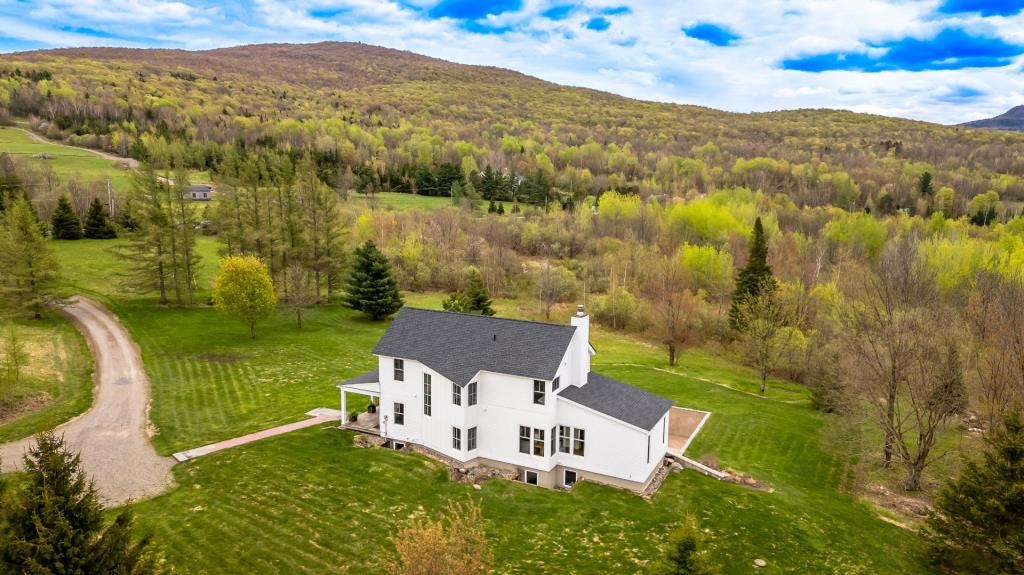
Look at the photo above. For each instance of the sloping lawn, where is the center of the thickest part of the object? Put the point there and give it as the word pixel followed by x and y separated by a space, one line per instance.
pixel 55 384
pixel 66 161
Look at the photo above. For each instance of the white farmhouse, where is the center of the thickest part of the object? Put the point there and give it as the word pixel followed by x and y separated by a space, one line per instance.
pixel 512 394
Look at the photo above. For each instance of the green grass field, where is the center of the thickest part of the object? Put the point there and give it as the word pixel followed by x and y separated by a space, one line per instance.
pixel 399 201
pixel 67 162
pixel 309 502
pixel 56 383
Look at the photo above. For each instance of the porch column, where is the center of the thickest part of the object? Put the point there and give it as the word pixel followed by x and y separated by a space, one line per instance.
pixel 344 411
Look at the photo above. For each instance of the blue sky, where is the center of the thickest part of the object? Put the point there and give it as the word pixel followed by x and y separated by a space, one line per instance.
pixel 940 60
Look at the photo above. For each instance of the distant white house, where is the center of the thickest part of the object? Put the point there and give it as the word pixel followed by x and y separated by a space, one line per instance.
pixel 514 395
pixel 200 192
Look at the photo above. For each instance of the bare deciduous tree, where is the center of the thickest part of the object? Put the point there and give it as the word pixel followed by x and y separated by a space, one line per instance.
pixel 763 338
pixel 676 308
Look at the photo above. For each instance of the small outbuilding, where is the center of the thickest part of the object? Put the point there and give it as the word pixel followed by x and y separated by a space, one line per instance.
pixel 200 192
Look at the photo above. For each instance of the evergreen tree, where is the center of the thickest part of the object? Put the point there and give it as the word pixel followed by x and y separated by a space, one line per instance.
pixel 474 299
pixel 97 223
pixel 31 273
pixel 65 224
pixel 685 553
pixel 476 295
pixel 371 287
pixel 53 521
pixel 491 208
pixel 501 209
pixel 925 188
pixel 977 525
pixel 753 277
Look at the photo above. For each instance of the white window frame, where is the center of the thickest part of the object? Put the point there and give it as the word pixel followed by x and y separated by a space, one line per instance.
pixel 428 396
pixel 525 438
pixel 542 394
pixel 565 477
pixel 564 439
pixel 471 439
pixel 471 400
pixel 456 438
pixel 398 369
pixel 399 410
pixel 526 477
pixel 579 441
pixel 538 441
pixel 456 394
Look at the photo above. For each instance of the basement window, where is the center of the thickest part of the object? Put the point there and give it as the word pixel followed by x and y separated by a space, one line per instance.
pixel 569 478
pixel 530 477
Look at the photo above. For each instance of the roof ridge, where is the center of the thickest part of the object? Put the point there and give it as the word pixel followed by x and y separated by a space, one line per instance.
pixel 491 317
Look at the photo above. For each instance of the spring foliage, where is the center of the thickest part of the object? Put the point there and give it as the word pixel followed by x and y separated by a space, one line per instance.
pixel 243 290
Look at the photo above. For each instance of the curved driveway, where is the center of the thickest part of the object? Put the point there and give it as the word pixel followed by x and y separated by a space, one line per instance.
pixel 113 436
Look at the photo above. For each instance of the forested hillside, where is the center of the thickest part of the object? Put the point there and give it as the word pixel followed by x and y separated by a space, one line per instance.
pixel 379 119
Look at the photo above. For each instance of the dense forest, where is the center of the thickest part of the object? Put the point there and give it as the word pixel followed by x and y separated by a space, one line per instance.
pixel 382 120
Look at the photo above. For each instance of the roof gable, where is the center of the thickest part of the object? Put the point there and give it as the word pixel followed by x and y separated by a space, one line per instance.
pixel 459 345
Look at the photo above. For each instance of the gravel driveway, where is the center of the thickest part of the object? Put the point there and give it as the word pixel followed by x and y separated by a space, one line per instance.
pixel 113 436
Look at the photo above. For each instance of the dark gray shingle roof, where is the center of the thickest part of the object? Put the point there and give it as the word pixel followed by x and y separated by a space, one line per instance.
pixel 619 400
pixel 458 345
pixel 368 377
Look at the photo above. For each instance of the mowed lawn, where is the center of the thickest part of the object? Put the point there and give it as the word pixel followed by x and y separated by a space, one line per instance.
pixel 55 383
pixel 309 502
pixel 67 161
pixel 400 201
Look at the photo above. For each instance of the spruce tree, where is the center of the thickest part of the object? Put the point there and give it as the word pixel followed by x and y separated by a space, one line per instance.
pixel 501 208
pixel 977 525
pixel 371 287
pixel 53 521
pixel 65 224
pixel 491 208
pixel 924 185
pixel 479 301
pixel 97 223
pixel 753 278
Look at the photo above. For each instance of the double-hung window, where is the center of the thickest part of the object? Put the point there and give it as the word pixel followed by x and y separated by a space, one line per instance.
pixel 472 393
pixel 555 383
pixel 427 397
pixel 399 414
pixel 524 439
pixel 553 444
pixel 456 438
pixel 471 439
pixel 564 437
pixel 538 442
pixel 538 391
pixel 456 394
pixel 578 437
pixel 399 370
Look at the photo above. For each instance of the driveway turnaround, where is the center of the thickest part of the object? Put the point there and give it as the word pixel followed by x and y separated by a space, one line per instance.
pixel 113 436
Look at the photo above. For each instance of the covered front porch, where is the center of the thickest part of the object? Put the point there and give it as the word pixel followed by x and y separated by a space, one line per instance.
pixel 361 416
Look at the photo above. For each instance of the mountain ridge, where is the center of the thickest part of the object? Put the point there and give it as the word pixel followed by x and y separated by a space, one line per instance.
pixel 1012 119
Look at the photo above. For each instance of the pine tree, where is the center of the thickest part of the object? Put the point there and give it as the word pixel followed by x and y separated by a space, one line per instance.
pixel 31 273
pixel 753 277
pixel 371 287
pixel 501 208
pixel 977 525
pixel 97 223
pixel 491 208
pixel 65 224
pixel 54 522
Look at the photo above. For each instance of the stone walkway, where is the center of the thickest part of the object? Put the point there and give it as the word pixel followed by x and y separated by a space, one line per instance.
pixel 317 416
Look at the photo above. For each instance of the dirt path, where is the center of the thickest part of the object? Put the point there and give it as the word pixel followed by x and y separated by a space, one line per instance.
pixel 130 162
pixel 113 436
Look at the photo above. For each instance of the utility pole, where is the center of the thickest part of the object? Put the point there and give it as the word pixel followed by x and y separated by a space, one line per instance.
pixel 110 200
